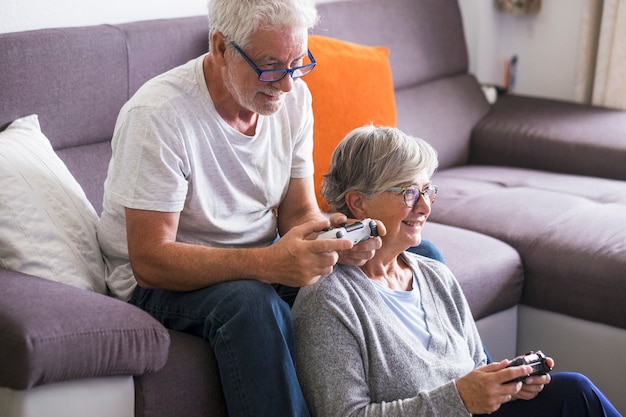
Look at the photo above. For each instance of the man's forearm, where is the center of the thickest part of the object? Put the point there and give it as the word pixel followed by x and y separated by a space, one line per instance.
pixel 185 267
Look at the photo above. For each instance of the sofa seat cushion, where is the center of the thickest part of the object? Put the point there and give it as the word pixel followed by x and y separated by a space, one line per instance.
pixel 489 270
pixel 569 230
pixel 53 332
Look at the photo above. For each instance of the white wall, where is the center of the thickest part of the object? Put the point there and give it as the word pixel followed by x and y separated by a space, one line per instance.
pixel 547 44
pixel 19 15
pixel 550 45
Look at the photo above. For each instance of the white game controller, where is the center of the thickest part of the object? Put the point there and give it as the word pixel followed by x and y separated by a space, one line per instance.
pixel 356 232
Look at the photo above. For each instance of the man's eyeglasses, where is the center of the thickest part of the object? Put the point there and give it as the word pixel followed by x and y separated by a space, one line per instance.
pixel 412 194
pixel 273 75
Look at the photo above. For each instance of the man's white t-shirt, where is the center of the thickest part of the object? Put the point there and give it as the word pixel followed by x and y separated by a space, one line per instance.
pixel 172 152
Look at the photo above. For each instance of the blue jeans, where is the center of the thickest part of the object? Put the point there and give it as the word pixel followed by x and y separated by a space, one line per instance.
pixel 568 395
pixel 250 330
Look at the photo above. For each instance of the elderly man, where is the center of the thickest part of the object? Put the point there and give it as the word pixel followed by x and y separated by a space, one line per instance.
pixel 212 161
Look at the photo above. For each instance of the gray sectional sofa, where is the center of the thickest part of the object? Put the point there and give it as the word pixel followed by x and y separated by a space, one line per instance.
pixel 531 213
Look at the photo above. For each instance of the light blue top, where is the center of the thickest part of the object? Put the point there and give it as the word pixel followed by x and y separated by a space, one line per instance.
pixel 408 309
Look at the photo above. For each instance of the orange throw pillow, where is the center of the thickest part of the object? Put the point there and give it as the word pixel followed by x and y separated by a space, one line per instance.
pixel 351 86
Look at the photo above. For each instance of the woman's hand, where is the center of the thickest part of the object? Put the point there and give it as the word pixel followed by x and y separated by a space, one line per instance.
pixel 485 389
pixel 533 385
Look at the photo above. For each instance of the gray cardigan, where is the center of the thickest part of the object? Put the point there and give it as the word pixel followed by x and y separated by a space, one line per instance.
pixel 354 358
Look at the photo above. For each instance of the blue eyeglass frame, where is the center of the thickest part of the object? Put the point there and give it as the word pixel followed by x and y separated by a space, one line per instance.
pixel 283 71
pixel 431 188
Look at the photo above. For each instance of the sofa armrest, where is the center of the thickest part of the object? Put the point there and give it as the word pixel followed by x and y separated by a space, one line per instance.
pixel 552 135
pixel 52 332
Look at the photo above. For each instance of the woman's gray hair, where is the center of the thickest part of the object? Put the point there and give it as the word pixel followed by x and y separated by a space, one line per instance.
pixel 371 159
pixel 239 19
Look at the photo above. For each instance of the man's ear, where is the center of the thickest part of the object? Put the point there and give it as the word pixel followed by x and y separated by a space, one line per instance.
pixel 218 45
pixel 355 202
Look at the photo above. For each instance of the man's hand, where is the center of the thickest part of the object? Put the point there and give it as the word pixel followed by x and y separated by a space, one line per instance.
pixel 299 260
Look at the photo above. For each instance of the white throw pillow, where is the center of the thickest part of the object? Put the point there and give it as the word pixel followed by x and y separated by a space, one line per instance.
pixel 48 224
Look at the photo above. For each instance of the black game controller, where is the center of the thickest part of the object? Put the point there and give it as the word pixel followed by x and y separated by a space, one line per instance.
pixel 536 360
pixel 356 232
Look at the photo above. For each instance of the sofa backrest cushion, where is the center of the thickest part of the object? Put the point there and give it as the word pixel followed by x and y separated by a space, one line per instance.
pixel 77 79
pixel 429 61
pixel 156 46
pixel 444 113
pixel 425 37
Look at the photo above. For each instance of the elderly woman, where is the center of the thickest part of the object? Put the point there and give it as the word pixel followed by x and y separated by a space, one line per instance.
pixel 395 336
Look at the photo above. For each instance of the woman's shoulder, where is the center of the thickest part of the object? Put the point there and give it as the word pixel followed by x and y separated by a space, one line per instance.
pixel 337 288
pixel 343 278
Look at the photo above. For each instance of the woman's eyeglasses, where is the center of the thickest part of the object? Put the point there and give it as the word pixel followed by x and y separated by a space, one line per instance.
pixel 412 194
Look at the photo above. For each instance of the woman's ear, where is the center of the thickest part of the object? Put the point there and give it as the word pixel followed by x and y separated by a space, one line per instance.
pixel 355 202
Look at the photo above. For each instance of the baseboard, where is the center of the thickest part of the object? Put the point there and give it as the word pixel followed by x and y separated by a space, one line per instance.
pixel 93 397
pixel 593 349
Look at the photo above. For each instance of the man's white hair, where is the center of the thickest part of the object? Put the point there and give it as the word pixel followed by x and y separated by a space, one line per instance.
pixel 238 20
